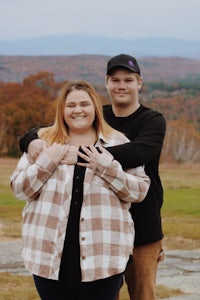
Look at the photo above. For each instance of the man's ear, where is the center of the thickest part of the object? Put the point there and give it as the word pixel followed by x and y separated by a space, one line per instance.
pixel 106 80
pixel 140 81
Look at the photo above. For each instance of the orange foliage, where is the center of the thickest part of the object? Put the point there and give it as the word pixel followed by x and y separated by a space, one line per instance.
pixel 32 103
pixel 25 106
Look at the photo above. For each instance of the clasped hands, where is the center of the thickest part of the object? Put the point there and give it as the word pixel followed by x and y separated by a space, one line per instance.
pixel 68 154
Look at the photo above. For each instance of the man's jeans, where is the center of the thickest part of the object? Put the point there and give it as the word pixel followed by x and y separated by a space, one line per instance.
pixel 140 274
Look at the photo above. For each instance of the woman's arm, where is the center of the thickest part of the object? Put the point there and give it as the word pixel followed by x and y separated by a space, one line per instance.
pixel 28 178
pixel 130 186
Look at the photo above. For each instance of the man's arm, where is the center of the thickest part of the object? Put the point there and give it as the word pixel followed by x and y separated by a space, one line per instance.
pixel 28 137
pixel 31 143
pixel 145 147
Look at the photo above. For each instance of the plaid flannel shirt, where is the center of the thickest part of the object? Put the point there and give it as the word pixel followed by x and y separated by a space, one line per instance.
pixel 106 226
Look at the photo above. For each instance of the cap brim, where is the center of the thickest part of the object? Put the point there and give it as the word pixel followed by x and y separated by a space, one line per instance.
pixel 124 66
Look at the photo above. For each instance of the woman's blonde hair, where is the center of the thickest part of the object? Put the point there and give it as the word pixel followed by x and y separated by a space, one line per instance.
pixel 58 132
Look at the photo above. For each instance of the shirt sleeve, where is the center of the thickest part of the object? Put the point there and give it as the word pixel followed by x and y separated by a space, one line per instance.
pixel 130 186
pixel 145 147
pixel 28 137
pixel 28 178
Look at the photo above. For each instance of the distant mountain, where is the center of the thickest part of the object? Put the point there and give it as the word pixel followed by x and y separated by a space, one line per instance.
pixel 93 67
pixel 77 44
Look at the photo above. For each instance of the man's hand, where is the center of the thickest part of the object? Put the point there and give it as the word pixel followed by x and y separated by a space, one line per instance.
pixel 71 156
pixel 35 148
pixel 56 152
pixel 38 145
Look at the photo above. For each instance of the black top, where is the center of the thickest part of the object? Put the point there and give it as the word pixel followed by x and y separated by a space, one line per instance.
pixel 70 270
pixel 146 130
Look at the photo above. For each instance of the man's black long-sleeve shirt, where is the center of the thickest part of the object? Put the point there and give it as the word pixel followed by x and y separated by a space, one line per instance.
pixel 146 130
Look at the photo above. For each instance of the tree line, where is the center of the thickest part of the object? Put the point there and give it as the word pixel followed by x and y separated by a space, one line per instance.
pixel 32 103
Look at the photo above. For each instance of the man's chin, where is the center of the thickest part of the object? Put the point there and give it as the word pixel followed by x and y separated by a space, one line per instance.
pixel 121 104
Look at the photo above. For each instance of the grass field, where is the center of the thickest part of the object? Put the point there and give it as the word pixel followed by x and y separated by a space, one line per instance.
pixel 180 215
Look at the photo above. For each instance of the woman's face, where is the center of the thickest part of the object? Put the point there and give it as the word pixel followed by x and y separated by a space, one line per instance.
pixel 79 111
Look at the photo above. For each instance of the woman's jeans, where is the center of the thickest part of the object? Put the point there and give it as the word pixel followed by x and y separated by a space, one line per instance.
pixel 104 289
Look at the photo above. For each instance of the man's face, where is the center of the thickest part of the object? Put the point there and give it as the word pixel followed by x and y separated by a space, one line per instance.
pixel 123 87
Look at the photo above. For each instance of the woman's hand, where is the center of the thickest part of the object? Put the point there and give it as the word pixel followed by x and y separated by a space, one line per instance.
pixel 94 158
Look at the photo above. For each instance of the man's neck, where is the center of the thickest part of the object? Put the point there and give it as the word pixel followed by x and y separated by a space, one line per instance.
pixel 124 111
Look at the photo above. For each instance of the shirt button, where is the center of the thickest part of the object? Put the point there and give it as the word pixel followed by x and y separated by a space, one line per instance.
pixel 83 238
pixel 77 177
pixel 83 257
pixel 82 219
pixel 76 190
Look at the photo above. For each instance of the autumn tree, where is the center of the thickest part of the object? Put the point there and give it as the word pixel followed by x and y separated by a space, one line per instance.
pixel 26 105
pixel 31 103
pixel 182 142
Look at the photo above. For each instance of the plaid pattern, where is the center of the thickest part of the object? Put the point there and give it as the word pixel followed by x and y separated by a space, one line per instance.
pixel 106 226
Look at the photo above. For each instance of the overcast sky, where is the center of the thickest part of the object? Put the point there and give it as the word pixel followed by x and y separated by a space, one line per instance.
pixel 129 19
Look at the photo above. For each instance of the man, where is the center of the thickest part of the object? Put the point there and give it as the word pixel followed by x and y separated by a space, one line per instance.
pixel 146 130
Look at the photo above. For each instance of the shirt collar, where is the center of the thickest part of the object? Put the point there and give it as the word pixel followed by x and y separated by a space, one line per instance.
pixel 101 139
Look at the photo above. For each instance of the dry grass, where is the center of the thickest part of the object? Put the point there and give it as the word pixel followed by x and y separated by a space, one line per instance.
pixel 161 292
pixel 181 209
pixel 185 176
pixel 20 287
pixel 17 287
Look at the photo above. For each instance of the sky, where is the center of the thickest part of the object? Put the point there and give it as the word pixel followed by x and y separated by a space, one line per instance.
pixel 128 19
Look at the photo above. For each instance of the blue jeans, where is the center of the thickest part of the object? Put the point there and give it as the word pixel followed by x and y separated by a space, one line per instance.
pixel 103 289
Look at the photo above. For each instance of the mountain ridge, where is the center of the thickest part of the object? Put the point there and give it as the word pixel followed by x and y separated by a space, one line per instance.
pixel 78 44
pixel 93 68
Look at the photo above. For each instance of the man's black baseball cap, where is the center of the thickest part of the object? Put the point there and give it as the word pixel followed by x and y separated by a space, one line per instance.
pixel 125 61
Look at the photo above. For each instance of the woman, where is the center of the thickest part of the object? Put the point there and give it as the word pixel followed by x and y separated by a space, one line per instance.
pixel 77 230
